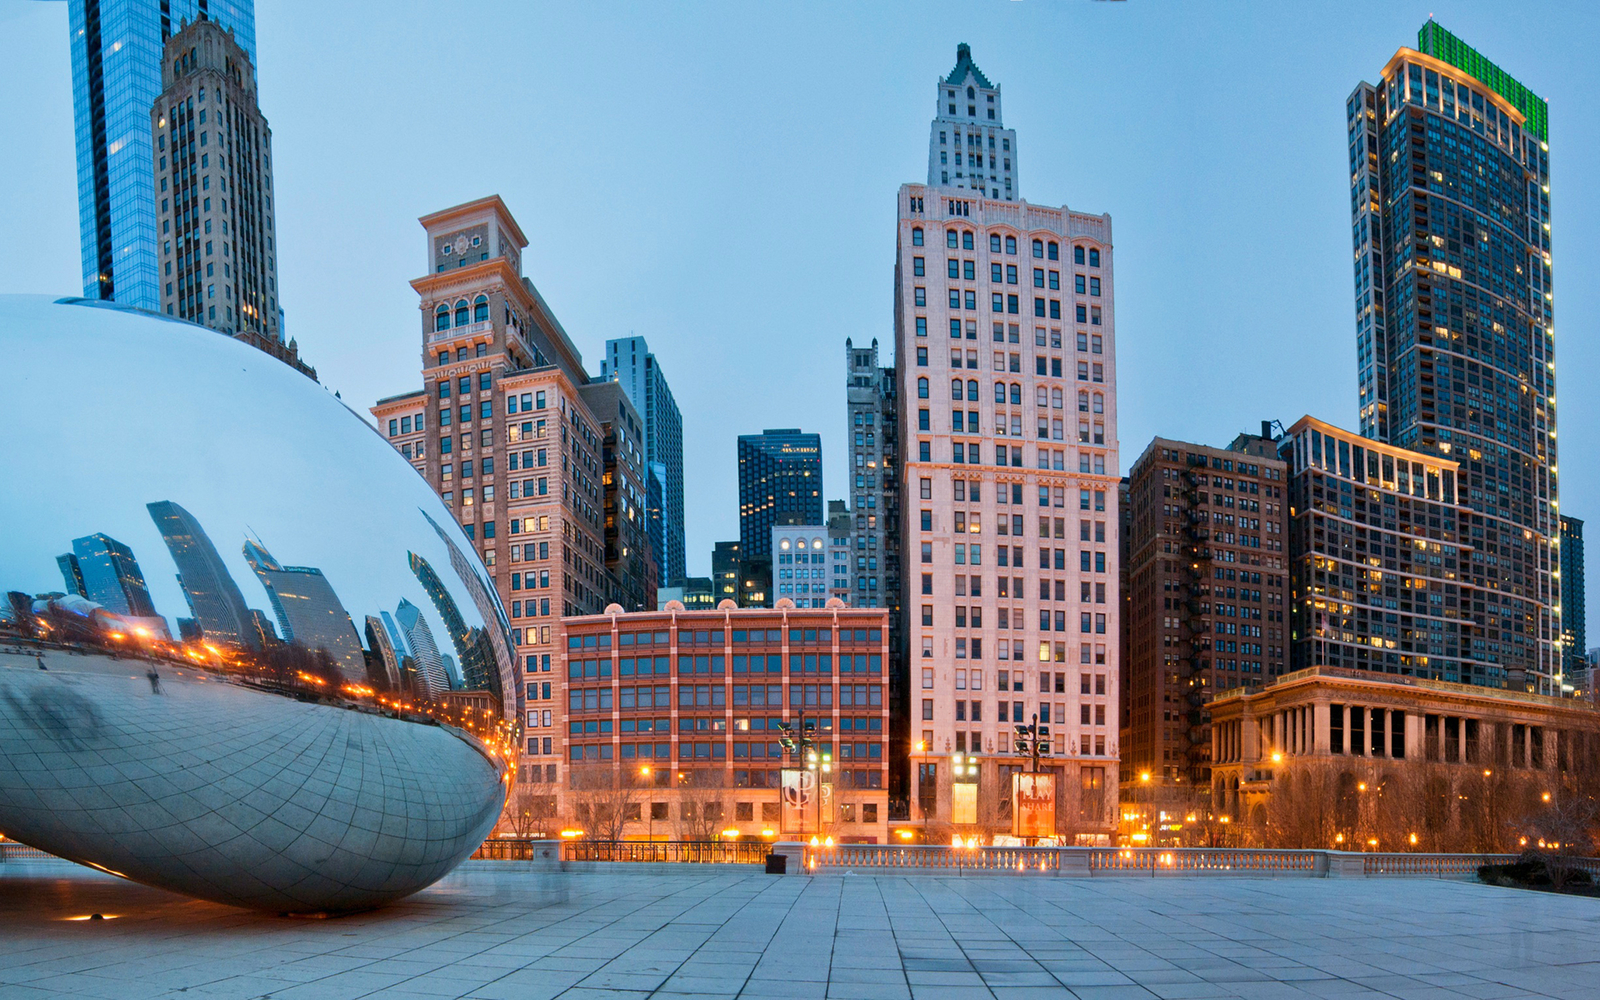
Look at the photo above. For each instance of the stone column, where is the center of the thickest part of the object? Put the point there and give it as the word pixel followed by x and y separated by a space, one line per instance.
pixel 1321 721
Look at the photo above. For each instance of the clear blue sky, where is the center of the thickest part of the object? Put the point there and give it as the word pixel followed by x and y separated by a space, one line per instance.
pixel 721 178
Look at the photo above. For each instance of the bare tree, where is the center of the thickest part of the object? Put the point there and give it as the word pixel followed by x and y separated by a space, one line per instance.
pixel 529 812
pixel 702 805
pixel 604 800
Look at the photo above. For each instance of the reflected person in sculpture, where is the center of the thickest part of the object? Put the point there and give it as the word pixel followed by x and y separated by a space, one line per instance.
pixel 185 696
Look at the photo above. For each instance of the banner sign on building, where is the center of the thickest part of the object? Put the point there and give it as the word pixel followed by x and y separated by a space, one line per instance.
pixel 964 803
pixel 798 787
pixel 1033 805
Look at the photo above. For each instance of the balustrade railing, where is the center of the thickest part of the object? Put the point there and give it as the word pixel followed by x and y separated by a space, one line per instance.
pixel 1202 860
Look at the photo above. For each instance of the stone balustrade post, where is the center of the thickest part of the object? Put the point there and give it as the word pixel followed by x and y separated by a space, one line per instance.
pixel 795 853
pixel 1073 862
pixel 545 856
pixel 1344 864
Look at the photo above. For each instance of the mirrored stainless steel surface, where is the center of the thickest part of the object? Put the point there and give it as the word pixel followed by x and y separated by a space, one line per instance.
pixel 245 652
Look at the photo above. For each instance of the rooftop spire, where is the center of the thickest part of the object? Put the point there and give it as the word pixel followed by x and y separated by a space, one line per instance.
pixel 964 64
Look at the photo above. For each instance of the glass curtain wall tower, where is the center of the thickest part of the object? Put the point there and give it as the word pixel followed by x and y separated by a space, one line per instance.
pixel 116 75
pixel 1450 198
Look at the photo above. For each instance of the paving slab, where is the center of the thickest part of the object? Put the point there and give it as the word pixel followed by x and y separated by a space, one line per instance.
pixel 493 932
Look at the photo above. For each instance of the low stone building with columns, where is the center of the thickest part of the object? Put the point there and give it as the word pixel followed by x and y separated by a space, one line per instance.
pixel 1330 756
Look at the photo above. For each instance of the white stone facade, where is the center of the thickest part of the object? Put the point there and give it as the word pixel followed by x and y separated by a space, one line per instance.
pixel 801 567
pixel 968 144
pixel 1010 503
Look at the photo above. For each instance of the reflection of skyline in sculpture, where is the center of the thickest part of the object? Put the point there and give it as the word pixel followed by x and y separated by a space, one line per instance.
pixel 430 677
pixel 309 613
pixel 71 573
pixel 383 651
pixel 397 637
pixel 214 599
pixel 476 672
pixel 502 680
pixel 110 576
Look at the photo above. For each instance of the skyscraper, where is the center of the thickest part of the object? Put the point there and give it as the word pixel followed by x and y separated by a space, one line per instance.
pixel 212 166
pixel 111 576
pixel 629 552
pixel 430 681
pixel 1005 355
pixel 1450 194
pixel 214 598
pixel 969 106
pixel 780 482
pixel 628 360
pixel 505 431
pixel 871 402
pixel 1574 633
pixel 308 611
pixel 117 54
pixel 1208 587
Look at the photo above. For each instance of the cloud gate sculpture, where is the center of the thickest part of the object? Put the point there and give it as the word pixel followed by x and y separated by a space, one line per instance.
pixel 246 654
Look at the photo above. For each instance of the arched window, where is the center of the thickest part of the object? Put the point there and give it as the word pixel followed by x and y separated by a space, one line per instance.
pixel 1041 396
pixel 1077 254
pixel 971 94
pixel 1083 402
pixel 916 236
pixel 955 389
pixel 972 391
pixel 480 309
pixel 1099 403
pixel 1094 257
pixel 1038 248
pixel 1055 250
pixel 461 313
pixel 1055 399
pixel 441 318
pixel 999 392
pixel 1016 394
pixel 922 388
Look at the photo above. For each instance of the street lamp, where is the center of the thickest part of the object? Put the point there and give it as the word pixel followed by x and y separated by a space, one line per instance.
pixel 1144 815
pixel 650 807
pixel 802 749
pixel 1033 741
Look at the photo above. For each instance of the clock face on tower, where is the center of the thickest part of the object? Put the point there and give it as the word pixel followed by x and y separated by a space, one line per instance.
pixel 461 244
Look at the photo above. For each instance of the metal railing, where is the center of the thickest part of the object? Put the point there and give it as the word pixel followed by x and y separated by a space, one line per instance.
pixel 10 850
pixel 509 850
pixel 991 859
pixel 671 851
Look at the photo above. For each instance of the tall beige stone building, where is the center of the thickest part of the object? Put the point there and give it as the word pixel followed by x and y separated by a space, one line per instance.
pixel 542 467
pixel 1005 353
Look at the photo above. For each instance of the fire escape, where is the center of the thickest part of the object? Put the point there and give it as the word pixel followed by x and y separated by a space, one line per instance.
pixel 1195 574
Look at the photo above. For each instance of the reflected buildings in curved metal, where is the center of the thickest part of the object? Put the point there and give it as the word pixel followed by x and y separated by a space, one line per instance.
pixel 243 646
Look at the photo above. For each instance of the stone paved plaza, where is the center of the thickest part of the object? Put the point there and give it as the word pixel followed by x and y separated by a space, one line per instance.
pixel 497 931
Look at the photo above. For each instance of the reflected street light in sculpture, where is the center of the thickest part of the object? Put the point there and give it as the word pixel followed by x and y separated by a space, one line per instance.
pixel 186 698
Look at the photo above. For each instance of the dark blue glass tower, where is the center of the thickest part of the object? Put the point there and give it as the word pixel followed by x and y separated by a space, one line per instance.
pixel 1450 201
pixel 780 482
pixel 116 76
